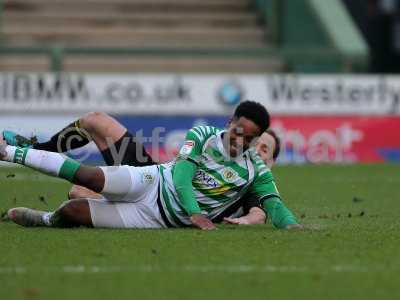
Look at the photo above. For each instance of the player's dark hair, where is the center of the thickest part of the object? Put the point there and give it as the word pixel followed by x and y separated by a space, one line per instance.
pixel 255 112
pixel 277 149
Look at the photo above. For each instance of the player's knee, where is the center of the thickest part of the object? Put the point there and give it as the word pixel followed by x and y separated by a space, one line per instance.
pixel 79 192
pixel 73 193
pixel 92 119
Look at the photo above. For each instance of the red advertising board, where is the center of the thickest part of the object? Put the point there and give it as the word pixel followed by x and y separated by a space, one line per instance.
pixel 314 139
pixel 320 139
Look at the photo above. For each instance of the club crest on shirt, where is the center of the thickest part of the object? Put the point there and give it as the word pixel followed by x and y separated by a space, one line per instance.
pixel 187 148
pixel 229 175
pixel 147 178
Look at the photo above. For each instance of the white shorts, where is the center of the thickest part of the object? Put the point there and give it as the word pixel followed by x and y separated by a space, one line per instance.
pixel 130 199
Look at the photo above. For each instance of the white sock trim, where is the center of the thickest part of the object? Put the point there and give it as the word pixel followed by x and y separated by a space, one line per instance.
pixel 46 218
pixel 10 153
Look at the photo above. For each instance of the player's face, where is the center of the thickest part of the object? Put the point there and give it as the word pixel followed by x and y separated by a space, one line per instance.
pixel 241 133
pixel 265 147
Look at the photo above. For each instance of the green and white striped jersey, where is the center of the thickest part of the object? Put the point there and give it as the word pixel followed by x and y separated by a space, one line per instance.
pixel 219 181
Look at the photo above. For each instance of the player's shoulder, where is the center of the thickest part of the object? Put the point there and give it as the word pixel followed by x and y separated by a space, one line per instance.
pixel 202 133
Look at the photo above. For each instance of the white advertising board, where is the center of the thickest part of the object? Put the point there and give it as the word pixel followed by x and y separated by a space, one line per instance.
pixel 189 94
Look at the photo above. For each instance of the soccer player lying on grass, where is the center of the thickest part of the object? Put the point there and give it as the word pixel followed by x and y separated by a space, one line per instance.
pixel 247 211
pixel 213 170
pixel 118 146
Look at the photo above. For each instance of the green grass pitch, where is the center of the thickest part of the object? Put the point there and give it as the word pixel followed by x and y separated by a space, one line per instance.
pixel 351 249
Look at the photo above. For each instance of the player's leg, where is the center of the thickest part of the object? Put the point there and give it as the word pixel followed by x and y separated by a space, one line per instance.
pixel 69 214
pixel 96 126
pixel 117 146
pixel 127 151
pixel 114 182
pixel 133 193
pixel 103 129
pixel 55 164
pixel 70 137
pixel 74 213
pixel 142 214
pixel 92 213
pixel 106 214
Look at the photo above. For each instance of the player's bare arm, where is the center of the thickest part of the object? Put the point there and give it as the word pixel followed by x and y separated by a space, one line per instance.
pixel 256 216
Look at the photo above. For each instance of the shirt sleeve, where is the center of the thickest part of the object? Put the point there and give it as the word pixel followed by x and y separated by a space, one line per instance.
pixel 185 168
pixel 182 177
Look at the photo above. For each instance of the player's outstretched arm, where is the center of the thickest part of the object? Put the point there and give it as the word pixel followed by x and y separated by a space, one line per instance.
pixel 281 216
pixel 55 164
pixel 265 190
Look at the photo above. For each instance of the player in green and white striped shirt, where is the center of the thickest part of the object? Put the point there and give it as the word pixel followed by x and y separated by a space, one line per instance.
pixel 212 172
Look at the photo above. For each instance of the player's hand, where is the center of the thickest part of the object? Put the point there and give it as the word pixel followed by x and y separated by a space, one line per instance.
pixel 236 221
pixel 295 227
pixel 200 221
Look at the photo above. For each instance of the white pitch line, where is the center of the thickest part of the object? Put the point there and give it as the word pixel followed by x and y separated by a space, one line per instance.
pixel 81 269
